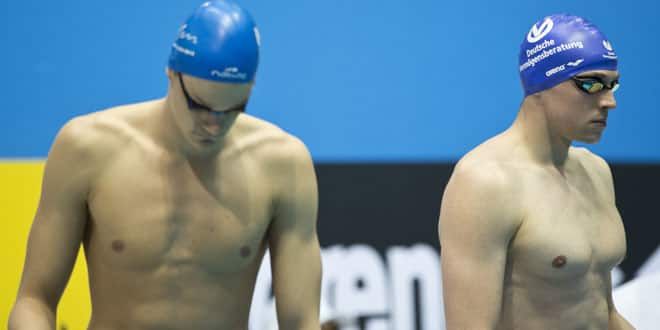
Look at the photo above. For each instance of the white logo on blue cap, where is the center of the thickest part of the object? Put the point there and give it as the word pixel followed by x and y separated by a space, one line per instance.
pixel 185 35
pixel 537 33
pixel 231 72
pixel 554 70
pixel 575 63
pixel 610 51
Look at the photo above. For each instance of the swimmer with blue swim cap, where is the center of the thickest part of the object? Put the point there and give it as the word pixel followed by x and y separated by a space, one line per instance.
pixel 568 70
pixel 212 67
pixel 528 224
pixel 177 200
pixel 218 42
pixel 559 47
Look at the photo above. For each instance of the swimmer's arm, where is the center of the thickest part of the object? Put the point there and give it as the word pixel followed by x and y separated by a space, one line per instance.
pixel 294 246
pixel 476 223
pixel 616 320
pixel 55 235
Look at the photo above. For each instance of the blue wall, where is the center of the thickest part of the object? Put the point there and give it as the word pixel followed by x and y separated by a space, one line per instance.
pixel 422 80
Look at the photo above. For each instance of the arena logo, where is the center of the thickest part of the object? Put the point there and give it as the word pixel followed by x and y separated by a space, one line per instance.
pixel 562 67
pixel 537 33
pixel 367 290
pixel 362 287
pixel 555 70
pixel 608 45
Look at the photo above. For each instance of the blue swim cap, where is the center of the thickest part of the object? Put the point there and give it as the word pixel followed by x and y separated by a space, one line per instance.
pixel 559 47
pixel 218 42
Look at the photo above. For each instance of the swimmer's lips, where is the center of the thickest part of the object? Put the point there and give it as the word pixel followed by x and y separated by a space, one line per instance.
pixel 600 122
pixel 204 139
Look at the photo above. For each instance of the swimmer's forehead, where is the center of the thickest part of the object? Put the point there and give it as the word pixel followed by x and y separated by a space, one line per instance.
pixel 217 95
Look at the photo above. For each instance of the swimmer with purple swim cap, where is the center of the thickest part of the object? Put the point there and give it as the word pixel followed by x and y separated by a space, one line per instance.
pixel 528 224
pixel 559 47
pixel 177 199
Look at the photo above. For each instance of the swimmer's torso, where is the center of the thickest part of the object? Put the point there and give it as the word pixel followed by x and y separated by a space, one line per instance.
pixel 570 237
pixel 173 243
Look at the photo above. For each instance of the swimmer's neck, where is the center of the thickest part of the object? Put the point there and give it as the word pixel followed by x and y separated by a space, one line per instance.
pixel 534 132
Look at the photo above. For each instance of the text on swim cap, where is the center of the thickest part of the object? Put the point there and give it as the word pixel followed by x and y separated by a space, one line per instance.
pixel 550 52
pixel 185 35
pixel 545 44
pixel 555 70
pixel 563 67
pixel 229 73
pixel 183 50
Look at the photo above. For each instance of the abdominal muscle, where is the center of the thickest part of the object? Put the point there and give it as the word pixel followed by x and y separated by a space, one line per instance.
pixel 551 306
pixel 175 295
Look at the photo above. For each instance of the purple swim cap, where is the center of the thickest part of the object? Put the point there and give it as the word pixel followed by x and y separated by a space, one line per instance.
pixel 560 46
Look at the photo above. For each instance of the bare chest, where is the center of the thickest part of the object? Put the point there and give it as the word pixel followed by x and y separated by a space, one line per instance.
pixel 148 211
pixel 568 233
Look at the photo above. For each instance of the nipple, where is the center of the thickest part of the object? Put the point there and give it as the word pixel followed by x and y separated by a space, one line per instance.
pixel 559 261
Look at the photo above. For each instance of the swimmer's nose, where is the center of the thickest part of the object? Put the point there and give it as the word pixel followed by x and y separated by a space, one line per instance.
pixel 607 101
pixel 212 121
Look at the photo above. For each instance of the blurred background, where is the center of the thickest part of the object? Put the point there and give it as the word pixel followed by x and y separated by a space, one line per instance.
pixel 387 95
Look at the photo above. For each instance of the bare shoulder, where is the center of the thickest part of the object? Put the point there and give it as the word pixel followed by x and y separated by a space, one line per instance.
pixel 481 202
pixel 592 162
pixel 490 178
pixel 286 162
pixel 96 136
pixel 597 170
pixel 588 157
pixel 490 166
pixel 270 143
pixel 122 122
pixel 77 138
pixel 484 190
